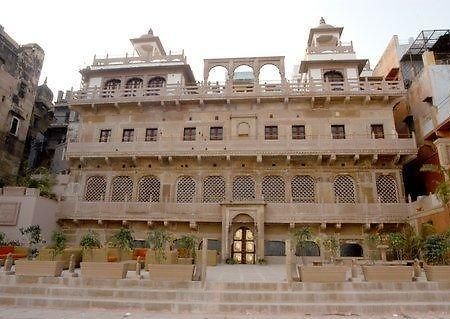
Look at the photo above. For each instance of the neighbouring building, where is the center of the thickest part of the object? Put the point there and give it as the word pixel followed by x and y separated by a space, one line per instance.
pixel 36 152
pixel 242 161
pixel 423 65
pixel 20 68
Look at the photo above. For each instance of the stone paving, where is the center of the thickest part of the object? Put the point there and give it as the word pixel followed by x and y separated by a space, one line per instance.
pixel 20 313
pixel 246 273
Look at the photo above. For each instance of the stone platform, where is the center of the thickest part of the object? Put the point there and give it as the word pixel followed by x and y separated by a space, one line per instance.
pixel 224 299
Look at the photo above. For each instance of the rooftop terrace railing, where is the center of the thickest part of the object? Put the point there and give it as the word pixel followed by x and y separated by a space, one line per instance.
pixel 133 60
pixel 178 92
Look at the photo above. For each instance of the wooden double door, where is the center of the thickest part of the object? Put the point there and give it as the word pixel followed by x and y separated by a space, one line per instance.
pixel 244 246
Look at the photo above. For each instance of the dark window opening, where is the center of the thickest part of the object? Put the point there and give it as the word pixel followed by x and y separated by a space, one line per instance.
pixel 105 135
pixel 338 131
pixel 271 132
pixel 298 132
pixel 351 250
pixel 128 135
pixel 216 133
pixel 377 131
pixel 151 134
pixel 189 134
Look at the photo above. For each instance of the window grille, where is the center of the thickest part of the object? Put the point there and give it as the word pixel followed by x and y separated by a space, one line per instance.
pixel 387 189
pixel 214 189
pixel 273 189
pixel 151 135
pixel 149 189
pixel 298 132
pixel 121 189
pixel 344 189
pixel 338 131
pixel 303 189
pixel 189 134
pixel 128 135
pixel 216 133
pixel 105 136
pixel 186 190
pixel 271 132
pixel 377 131
pixel 244 188
pixel 95 189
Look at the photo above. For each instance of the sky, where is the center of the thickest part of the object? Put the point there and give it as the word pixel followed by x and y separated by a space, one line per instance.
pixel 71 32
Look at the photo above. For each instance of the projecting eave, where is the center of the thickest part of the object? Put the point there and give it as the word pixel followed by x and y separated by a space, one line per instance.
pixel 305 65
pixel 323 30
pixel 147 38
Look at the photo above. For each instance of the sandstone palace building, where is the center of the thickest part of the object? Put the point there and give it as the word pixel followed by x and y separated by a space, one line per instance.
pixel 241 161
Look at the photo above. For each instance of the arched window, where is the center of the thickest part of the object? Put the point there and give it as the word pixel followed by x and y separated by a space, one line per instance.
pixel 110 87
pixel 351 250
pixel 186 189
pixel 244 188
pixel 155 84
pixel 273 189
pixel 308 248
pixel 344 189
pixel 335 79
pixel 149 189
pixel 303 188
pixel 121 189
pixel 95 189
pixel 132 86
pixel 387 189
pixel 214 189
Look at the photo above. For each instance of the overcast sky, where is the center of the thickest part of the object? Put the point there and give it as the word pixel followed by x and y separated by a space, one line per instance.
pixel 71 32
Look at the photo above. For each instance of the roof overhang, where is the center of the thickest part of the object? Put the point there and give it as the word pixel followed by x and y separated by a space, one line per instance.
pixel 323 30
pixel 149 38
pixel 305 65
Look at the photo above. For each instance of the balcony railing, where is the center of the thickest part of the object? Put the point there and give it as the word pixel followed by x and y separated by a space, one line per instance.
pixel 211 91
pixel 284 145
pixel 134 60
pixel 211 212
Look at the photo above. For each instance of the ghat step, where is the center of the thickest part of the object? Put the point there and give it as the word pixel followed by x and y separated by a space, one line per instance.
pixel 237 298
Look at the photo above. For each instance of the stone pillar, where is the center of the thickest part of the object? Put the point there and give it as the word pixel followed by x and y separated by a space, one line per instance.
pixel 204 260
pixel 288 261
pixel 260 244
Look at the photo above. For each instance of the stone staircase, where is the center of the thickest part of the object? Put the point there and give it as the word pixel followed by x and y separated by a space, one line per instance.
pixel 225 298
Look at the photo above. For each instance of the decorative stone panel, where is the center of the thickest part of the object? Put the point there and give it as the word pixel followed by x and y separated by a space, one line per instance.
pixel 273 189
pixel 149 189
pixel 214 189
pixel 303 188
pixel 186 190
pixel 121 189
pixel 95 189
pixel 387 189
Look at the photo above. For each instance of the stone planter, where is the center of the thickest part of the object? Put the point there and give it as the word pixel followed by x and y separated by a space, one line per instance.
pixel 322 273
pixel 437 273
pixel 185 261
pixel 388 273
pixel 110 270
pixel 152 257
pixel 14 191
pixel 160 272
pixel 39 268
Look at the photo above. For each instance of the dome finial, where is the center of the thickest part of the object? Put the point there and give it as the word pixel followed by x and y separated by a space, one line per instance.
pixel 322 20
pixel 150 31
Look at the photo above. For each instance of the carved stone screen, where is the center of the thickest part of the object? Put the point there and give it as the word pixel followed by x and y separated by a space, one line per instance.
pixel 95 188
pixel 186 190
pixel 303 189
pixel 214 189
pixel 344 189
pixel 149 189
pixel 244 188
pixel 387 189
pixel 273 189
pixel 121 189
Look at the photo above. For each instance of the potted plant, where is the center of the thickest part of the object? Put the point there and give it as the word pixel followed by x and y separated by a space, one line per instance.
pixel 95 260
pixel 158 241
pixel 331 246
pixel 34 238
pixel 89 241
pixel 372 242
pixel 396 243
pixel 436 249
pixel 161 262
pixel 300 238
pixel 124 241
pixel 47 263
pixel 186 248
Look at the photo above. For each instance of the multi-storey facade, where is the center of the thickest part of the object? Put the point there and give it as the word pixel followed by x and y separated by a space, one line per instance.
pixel 241 162
pixel 20 68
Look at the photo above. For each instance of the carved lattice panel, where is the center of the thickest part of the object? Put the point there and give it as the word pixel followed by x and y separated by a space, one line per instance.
pixel 95 188
pixel 387 189
pixel 186 190
pixel 244 188
pixel 344 189
pixel 149 189
pixel 121 189
pixel 303 189
pixel 214 189
pixel 273 189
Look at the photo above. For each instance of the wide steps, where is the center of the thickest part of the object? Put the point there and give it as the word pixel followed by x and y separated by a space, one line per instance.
pixel 222 297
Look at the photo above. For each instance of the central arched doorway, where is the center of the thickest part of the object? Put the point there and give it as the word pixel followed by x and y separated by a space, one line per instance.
pixel 243 246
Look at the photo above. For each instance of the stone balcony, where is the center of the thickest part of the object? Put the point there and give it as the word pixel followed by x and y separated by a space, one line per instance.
pixel 172 57
pixel 310 146
pixel 313 91
pixel 285 213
